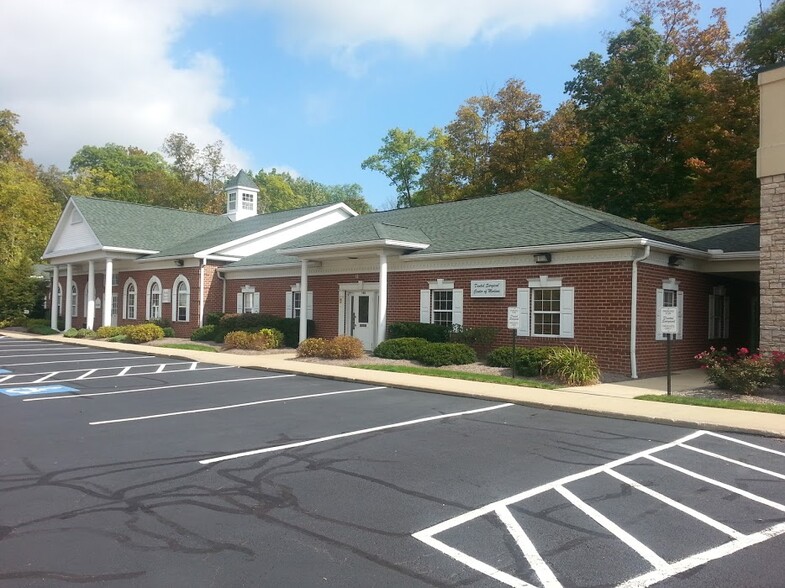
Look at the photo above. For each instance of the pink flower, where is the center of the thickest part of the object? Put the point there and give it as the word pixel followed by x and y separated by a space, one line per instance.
pixel 743 351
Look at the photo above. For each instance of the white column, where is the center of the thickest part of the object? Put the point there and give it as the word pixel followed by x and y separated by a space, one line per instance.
pixel 69 298
pixel 53 307
pixel 107 302
pixel 381 327
pixel 91 294
pixel 303 300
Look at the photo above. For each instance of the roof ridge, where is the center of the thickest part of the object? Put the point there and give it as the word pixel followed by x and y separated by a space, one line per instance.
pixel 713 226
pixel 156 206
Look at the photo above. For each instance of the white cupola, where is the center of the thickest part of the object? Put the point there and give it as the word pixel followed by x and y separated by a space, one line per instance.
pixel 242 195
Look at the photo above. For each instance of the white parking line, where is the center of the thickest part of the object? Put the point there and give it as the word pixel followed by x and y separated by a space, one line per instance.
pixel 91 394
pixel 89 372
pixel 46 377
pixel 37 348
pixel 230 406
pixel 86 352
pixel 662 569
pixel 80 360
pixel 85 375
pixel 349 434
pixel 8 377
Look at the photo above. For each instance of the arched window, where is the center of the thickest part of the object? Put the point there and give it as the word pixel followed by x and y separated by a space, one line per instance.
pixel 74 300
pixel 59 309
pixel 182 300
pixel 129 300
pixel 154 299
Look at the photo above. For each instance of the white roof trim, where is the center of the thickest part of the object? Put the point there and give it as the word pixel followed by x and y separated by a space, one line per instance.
pixel 354 245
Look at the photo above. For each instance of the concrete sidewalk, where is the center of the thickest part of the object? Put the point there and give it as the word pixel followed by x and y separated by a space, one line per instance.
pixel 613 399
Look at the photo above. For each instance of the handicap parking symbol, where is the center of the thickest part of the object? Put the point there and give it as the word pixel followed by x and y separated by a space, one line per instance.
pixel 29 390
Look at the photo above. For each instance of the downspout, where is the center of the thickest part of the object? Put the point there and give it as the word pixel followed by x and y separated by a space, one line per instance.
pixel 223 291
pixel 201 291
pixel 634 311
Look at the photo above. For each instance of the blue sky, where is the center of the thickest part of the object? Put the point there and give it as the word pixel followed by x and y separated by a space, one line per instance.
pixel 308 86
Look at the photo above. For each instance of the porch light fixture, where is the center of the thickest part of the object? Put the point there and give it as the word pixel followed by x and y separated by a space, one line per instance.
pixel 542 258
pixel 675 260
pixel 179 262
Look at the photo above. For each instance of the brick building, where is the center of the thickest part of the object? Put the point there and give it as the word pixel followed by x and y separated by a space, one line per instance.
pixel 580 277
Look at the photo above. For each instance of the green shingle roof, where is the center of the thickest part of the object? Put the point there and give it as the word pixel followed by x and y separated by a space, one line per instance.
pixel 729 238
pixel 518 219
pixel 241 180
pixel 139 226
pixel 235 230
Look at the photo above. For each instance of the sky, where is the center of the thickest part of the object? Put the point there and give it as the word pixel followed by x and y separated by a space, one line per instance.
pixel 305 86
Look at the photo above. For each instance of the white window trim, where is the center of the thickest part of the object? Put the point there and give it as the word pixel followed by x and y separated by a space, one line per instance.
pixel 149 304
pixel 74 300
pixel 231 203
pixel 59 308
pixel 181 279
pixel 255 300
pixel 128 283
pixel 719 293
pixel 426 301
pixel 566 308
pixel 290 303
pixel 670 284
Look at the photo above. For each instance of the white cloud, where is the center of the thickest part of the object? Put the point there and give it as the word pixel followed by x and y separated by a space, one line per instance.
pixel 91 72
pixel 349 29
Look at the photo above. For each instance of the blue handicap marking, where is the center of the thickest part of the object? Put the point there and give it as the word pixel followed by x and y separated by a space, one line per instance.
pixel 28 390
pixel 2 371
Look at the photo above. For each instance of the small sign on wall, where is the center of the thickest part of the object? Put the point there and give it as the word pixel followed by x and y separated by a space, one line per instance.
pixel 488 288
pixel 166 296
pixel 669 320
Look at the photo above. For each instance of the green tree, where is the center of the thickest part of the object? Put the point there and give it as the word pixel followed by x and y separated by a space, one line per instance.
pixel 559 170
pixel 400 158
pixel 12 141
pixel 764 39
pixel 436 182
pixel 471 136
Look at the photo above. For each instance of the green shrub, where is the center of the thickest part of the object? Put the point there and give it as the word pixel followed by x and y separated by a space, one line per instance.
pixel 432 333
pixel 41 330
pixel 119 339
pixel 343 347
pixel 213 318
pixel 477 337
pixel 258 341
pixel 109 331
pixel 162 322
pixel 169 332
pixel 403 348
pixel 17 321
pixel 85 334
pixel 528 362
pixel 741 373
pixel 71 333
pixel 144 333
pixel 438 354
pixel 571 366
pixel 205 333
pixel 38 323
pixel 312 347
pixel 274 336
pixel 290 327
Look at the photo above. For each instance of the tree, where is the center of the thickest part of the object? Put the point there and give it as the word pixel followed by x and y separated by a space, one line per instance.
pixel 559 170
pixel 764 39
pixel 436 182
pixel 471 135
pixel 183 154
pixel 400 158
pixel 12 141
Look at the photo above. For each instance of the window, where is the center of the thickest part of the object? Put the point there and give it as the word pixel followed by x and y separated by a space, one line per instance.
pixel 294 303
pixel 669 296
pixel 74 300
pixel 248 300
pixel 115 280
pixel 441 303
pixel 248 201
pixel 154 299
pixel 59 300
pixel 719 313
pixel 546 309
pixel 182 306
pixel 232 204
pixel 129 296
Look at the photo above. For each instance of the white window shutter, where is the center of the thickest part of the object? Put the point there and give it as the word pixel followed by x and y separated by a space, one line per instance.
pixel 658 324
pixel 726 318
pixel 309 307
pixel 712 333
pixel 523 312
pixel 680 304
pixel 457 307
pixel 289 305
pixel 239 303
pixel 567 323
pixel 256 302
pixel 425 306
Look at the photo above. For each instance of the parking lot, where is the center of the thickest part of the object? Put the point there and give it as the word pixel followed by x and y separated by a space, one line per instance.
pixel 134 470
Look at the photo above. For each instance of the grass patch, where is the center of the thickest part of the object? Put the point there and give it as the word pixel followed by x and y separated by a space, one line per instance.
pixel 189 346
pixel 457 375
pixel 715 403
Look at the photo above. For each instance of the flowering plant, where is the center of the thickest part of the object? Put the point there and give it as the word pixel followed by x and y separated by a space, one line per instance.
pixel 742 372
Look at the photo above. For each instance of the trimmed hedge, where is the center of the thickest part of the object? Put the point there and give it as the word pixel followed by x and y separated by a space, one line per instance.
pixel 312 347
pixel 438 354
pixel 108 332
pixel 290 327
pixel 432 333
pixel 341 347
pixel 144 333
pixel 169 332
pixel 41 330
pixel 71 333
pixel 403 348
pixel 259 341
pixel 85 334
pixel 205 333
pixel 529 360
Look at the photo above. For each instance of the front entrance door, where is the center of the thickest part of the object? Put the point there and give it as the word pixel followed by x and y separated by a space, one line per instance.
pixel 362 317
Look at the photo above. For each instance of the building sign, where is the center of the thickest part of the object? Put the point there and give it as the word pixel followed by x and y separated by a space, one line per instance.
pixel 513 317
pixel 488 288
pixel 669 320
pixel 166 296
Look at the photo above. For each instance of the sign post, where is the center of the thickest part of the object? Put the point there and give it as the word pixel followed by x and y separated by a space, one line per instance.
pixel 669 323
pixel 513 320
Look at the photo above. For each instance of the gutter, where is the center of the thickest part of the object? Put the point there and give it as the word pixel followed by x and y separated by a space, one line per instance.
pixel 634 311
pixel 202 263
pixel 223 290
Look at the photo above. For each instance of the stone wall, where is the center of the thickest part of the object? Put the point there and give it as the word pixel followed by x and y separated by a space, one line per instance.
pixel 772 263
